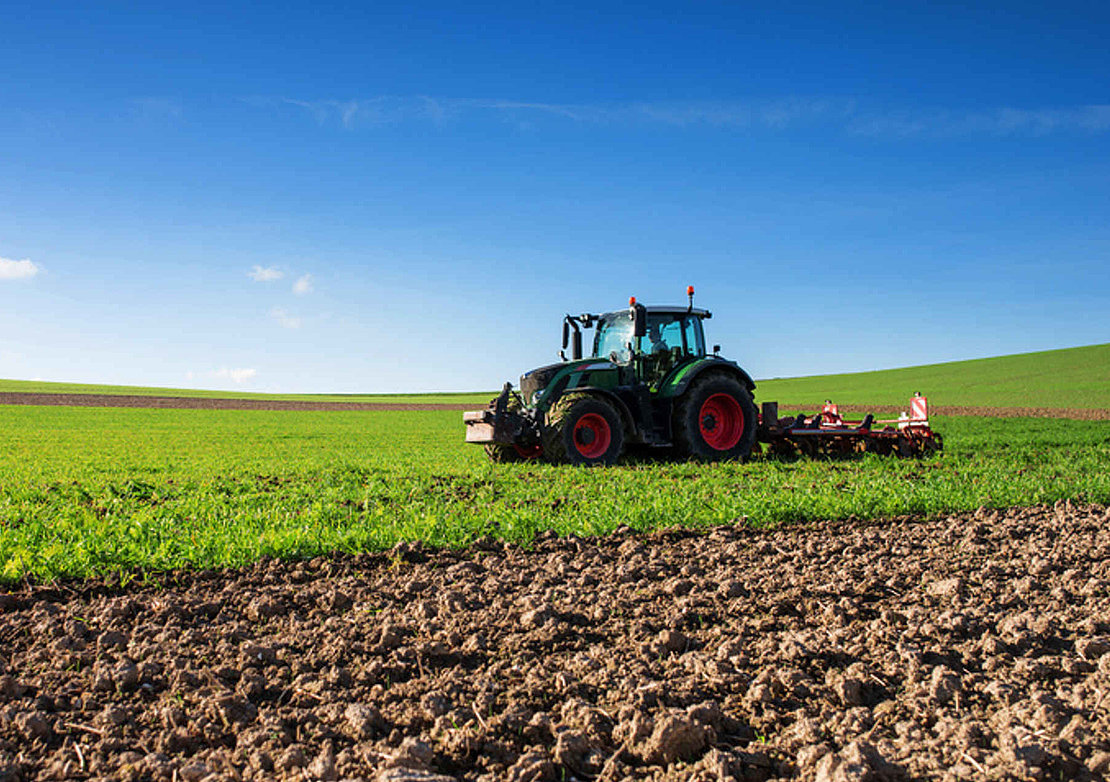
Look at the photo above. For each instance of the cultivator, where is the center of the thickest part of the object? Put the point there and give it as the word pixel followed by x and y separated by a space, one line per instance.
pixel 829 434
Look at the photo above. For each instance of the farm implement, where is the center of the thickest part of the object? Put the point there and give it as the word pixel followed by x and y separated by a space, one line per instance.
pixel 650 382
pixel 827 433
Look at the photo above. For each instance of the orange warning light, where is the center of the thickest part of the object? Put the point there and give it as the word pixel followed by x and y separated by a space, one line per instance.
pixel 689 290
pixel 631 301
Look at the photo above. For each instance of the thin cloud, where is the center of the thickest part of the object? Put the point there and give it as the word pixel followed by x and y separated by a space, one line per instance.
pixel 1003 121
pixel 158 108
pixel 265 273
pixel 303 285
pixel 286 320
pixel 17 270
pixel 773 115
pixel 237 376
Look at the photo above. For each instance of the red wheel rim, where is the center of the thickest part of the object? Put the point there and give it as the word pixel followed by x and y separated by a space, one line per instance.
pixel 592 435
pixel 528 451
pixel 721 421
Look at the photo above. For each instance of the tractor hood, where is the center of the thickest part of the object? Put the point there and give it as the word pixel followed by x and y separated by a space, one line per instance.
pixel 539 378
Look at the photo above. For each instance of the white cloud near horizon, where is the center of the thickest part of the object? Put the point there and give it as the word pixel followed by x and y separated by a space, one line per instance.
pixel 303 285
pixel 237 376
pixel 17 270
pixel 285 319
pixel 265 273
pixel 234 375
pixel 849 114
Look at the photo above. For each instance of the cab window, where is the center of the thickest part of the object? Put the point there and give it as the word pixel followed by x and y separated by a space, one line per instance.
pixel 613 335
pixel 695 337
pixel 664 334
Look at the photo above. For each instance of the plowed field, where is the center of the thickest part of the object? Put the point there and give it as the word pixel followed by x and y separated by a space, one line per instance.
pixel 964 647
pixel 210 403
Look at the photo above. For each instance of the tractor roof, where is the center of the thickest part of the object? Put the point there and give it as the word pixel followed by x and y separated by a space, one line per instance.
pixel 696 311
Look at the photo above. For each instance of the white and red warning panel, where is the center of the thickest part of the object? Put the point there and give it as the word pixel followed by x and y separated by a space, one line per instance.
pixel 919 408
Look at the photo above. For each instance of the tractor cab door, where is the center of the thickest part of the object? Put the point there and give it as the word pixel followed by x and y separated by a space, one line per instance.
pixel 672 340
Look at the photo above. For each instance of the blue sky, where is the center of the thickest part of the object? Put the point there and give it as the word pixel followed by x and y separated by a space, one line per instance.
pixel 317 198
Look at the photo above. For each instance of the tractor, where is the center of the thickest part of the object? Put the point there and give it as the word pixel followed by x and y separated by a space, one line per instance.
pixel 648 382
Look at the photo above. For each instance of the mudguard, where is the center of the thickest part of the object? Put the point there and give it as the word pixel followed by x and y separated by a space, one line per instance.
pixel 677 384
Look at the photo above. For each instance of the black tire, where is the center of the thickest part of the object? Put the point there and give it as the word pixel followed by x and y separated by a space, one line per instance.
pixel 715 420
pixel 502 454
pixel 508 454
pixel 583 429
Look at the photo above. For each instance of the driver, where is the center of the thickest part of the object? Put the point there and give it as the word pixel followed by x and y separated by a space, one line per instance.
pixel 657 344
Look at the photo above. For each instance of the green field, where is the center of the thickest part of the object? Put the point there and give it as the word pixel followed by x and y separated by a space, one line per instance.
pixel 1069 378
pixel 1075 378
pixel 94 491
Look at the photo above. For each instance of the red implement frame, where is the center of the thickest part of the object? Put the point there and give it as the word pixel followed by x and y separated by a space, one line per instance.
pixel 827 433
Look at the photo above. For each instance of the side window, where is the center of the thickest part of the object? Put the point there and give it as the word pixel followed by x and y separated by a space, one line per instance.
pixel 663 335
pixel 695 338
pixel 672 334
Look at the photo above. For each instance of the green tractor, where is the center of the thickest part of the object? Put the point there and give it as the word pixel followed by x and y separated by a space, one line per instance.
pixel 649 382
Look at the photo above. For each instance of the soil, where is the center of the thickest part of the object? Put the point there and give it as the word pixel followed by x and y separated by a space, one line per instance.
pixel 201 403
pixel 964 647
pixel 197 403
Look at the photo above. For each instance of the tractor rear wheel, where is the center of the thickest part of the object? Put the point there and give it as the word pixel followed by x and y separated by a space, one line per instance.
pixel 715 420
pixel 583 430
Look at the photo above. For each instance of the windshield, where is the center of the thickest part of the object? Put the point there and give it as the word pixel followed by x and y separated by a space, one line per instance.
pixel 614 332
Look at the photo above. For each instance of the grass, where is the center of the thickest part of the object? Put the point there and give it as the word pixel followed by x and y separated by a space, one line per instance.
pixel 1075 377
pixel 93 491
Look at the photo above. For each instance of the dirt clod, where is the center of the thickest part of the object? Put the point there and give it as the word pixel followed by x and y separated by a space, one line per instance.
pixel 858 762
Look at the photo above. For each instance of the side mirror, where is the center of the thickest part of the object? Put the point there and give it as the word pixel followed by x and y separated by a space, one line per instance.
pixel 576 346
pixel 566 334
pixel 639 320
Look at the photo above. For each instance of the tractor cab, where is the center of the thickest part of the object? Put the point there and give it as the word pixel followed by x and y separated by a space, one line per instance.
pixel 668 331
pixel 671 337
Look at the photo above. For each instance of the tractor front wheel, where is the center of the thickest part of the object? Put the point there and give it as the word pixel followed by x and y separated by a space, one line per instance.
pixel 583 430
pixel 506 454
pixel 500 453
pixel 715 420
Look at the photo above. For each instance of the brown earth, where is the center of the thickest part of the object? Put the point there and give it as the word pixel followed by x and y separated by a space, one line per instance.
pixel 201 403
pixel 966 647
pixel 198 403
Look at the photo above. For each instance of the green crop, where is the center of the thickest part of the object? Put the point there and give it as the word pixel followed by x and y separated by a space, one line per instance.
pixel 1075 378
pixel 94 491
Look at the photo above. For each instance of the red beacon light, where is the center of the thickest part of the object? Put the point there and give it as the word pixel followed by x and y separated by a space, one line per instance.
pixel 689 290
pixel 631 301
